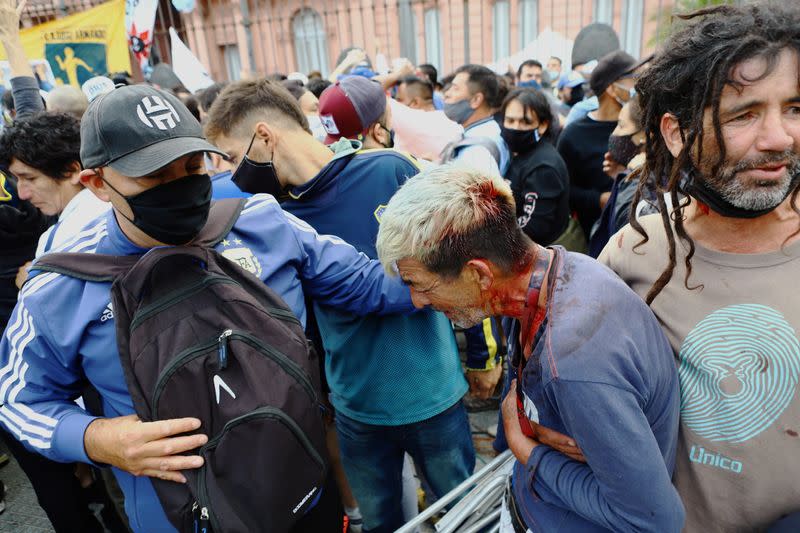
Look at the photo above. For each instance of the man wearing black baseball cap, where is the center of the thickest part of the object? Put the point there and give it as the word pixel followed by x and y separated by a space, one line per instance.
pixel 583 143
pixel 143 151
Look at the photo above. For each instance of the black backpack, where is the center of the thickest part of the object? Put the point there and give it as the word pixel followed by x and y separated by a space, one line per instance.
pixel 200 336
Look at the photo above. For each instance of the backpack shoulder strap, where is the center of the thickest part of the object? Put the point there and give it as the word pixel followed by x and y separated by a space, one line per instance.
pixel 88 267
pixel 221 218
pixel 102 267
pixel 486 142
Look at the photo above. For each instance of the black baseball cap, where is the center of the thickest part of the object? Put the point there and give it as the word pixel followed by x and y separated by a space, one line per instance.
pixel 138 129
pixel 610 68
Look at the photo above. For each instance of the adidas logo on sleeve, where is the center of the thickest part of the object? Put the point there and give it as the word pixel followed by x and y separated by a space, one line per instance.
pixel 108 313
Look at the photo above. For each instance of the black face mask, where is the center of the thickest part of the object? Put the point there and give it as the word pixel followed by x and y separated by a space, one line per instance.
pixel 520 141
pixel 173 212
pixel 575 96
pixel 390 144
pixel 622 148
pixel 697 188
pixel 254 178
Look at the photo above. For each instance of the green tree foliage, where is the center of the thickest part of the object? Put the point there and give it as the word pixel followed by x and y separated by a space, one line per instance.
pixel 667 22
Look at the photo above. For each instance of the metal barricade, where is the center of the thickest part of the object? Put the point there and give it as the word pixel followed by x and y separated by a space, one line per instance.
pixel 479 505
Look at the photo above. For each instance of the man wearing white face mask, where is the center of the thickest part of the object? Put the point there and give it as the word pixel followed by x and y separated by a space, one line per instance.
pixel 584 142
pixel 309 105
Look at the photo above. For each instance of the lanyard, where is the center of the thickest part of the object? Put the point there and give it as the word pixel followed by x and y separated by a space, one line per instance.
pixel 531 323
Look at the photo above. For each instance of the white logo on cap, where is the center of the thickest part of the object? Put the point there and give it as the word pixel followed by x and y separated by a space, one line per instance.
pixel 158 112
pixel 329 124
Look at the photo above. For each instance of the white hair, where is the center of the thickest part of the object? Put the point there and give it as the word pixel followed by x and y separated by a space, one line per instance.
pixel 67 99
pixel 436 204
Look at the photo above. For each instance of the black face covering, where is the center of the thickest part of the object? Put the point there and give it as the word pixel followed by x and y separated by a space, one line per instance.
pixel 173 212
pixel 390 144
pixel 697 188
pixel 622 148
pixel 254 178
pixel 520 141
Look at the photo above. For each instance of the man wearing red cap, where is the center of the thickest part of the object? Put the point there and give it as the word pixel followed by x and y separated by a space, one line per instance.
pixel 355 108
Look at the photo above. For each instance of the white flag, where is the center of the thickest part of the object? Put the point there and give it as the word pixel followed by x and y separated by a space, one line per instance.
pixel 186 66
pixel 140 17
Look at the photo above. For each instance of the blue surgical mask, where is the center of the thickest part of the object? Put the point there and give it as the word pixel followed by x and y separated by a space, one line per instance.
pixel 530 84
pixel 553 74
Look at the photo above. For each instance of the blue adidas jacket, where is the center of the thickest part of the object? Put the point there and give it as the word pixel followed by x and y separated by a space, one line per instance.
pixel 391 370
pixel 62 330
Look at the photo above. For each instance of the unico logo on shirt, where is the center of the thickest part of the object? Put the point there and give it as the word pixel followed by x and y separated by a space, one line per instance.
pixel 739 372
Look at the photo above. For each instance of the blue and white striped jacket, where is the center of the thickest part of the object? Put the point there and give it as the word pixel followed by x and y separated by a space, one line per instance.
pixel 62 330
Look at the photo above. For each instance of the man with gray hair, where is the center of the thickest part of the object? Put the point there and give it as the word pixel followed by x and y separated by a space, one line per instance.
pixel 591 358
pixel 67 99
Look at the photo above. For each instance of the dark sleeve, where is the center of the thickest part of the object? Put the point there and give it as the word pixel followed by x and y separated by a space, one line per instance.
pixel 584 201
pixel 565 149
pixel 27 99
pixel 484 345
pixel 622 210
pixel 540 216
pixel 625 485
pixel 581 199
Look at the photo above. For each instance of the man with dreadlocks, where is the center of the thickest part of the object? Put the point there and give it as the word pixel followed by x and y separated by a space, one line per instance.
pixel 722 118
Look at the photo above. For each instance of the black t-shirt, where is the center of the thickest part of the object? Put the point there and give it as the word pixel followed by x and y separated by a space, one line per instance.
pixel 582 145
pixel 540 184
pixel 21 224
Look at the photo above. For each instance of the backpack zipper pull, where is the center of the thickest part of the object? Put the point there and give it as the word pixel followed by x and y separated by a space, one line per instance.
pixel 223 348
pixel 195 518
pixel 204 521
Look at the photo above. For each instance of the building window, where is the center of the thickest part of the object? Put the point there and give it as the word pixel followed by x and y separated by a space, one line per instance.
pixel 309 42
pixel 233 63
pixel 528 22
pixel 433 44
pixel 632 22
pixel 408 31
pixel 501 24
pixel 603 11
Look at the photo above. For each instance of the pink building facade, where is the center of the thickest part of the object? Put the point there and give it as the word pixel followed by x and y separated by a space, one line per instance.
pixel 240 37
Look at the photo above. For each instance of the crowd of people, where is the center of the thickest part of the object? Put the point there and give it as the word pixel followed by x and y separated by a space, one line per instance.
pixel 239 310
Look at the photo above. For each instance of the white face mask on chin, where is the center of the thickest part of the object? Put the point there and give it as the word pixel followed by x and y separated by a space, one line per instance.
pixel 317 129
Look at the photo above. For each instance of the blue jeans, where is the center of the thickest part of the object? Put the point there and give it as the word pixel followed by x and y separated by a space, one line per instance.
pixel 372 456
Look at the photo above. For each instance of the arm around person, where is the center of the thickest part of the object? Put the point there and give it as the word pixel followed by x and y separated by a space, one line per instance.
pixel 336 274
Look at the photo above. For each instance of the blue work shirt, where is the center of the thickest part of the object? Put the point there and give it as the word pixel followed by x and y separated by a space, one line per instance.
pixel 602 372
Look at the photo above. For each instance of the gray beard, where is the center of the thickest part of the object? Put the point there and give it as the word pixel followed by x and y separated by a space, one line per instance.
pixel 758 198
pixel 466 318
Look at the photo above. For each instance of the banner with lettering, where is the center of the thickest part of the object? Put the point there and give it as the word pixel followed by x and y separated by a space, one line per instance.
pixel 81 46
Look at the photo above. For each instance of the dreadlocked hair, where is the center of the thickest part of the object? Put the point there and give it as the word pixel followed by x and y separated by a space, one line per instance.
pixel 686 78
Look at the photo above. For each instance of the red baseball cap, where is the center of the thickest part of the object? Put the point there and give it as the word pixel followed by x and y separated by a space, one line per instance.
pixel 348 108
